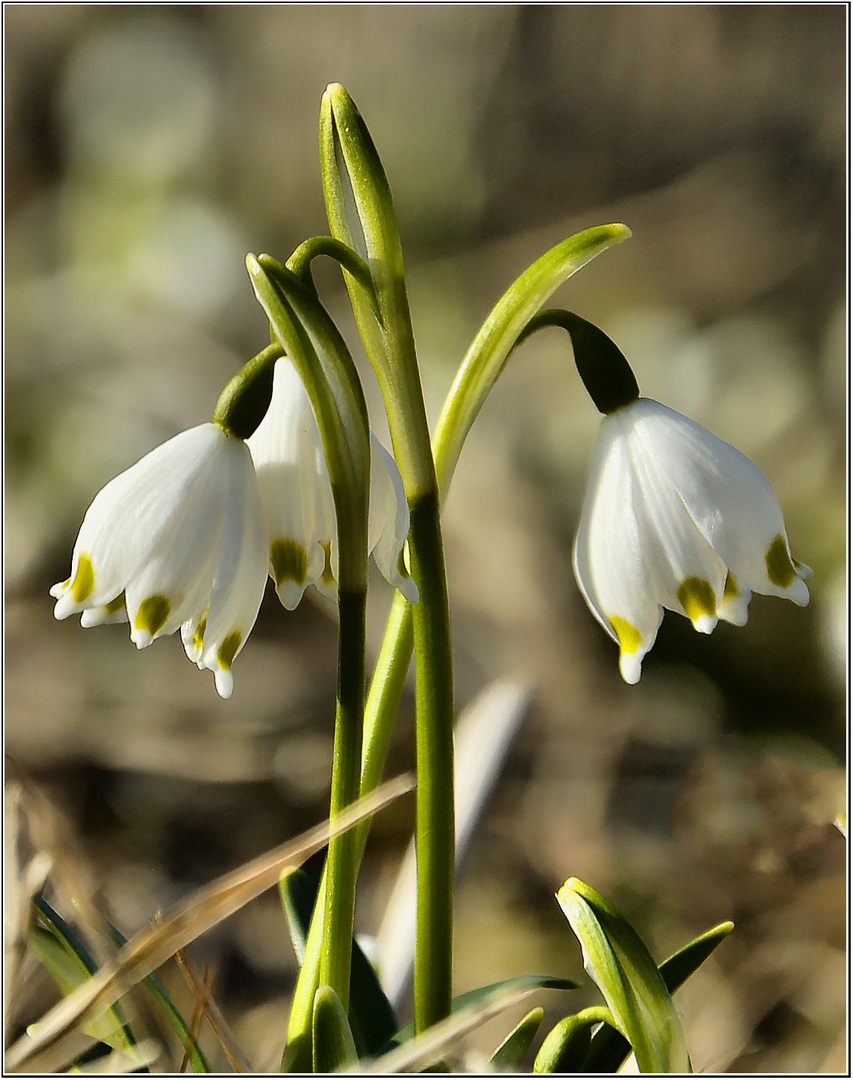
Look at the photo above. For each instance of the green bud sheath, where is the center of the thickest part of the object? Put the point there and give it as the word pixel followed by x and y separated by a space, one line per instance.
pixel 606 374
pixel 243 403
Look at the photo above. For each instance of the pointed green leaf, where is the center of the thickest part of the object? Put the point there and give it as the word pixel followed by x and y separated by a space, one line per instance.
pixel 608 1048
pixel 565 1046
pixel 509 1055
pixel 496 339
pixel 334 1047
pixel 371 1017
pixel 58 948
pixel 361 214
pixel 627 976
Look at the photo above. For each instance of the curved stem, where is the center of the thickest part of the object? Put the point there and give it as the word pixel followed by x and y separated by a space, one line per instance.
pixel 348 259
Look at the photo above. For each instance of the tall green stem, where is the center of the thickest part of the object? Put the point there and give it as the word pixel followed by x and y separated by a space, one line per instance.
pixel 511 321
pixel 435 834
pixel 342 860
pixel 305 331
pixel 367 221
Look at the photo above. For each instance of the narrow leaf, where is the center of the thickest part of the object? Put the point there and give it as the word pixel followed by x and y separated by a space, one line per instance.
pixel 608 1048
pixel 59 949
pixel 627 976
pixel 509 1055
pixel 441 1040
pixel 334 1047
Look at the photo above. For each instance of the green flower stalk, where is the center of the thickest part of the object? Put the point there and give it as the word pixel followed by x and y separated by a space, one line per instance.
pixel 361 215
pixel 313 343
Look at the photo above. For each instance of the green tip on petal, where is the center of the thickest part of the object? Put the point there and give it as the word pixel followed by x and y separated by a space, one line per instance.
pixel 152 614
pixel 328 576
pixel 84 579
pixel 780 569
pixel 228 649
pixel 628 635
pixel 697 598
pixel 289 561
pixel 731 590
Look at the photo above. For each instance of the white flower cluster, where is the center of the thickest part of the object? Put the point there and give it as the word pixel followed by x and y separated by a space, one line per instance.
pixel 184 538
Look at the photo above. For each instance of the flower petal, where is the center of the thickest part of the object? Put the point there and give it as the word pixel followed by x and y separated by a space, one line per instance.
pixel 388 524
pixel 730 500
pixel 683 571
pixel 126 519
pixel 241 570
pixel 295 488
pixel 608 553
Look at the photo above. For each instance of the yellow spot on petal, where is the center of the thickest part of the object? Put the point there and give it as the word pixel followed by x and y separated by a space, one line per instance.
pixel 731 590
pixel 402 569
pixel 198 634
pixel 328 577
pixel 697 598
pixel 153 612
pixel 84 579
pixel 629 636
pixel 289 561
pixel 228 649
pixel 115 605
pixel 780 569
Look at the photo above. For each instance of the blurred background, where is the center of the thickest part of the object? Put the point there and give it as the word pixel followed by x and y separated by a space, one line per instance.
pixel 148 148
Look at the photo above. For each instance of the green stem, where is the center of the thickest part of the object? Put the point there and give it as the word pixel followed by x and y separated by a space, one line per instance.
pixel 435 835
pixel 342 860
pixel 300 264
pixel 510 322
pixel 386 688
pixel 349 158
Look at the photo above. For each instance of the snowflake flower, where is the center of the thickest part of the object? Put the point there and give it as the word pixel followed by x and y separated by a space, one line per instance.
pixel 177 541
pixel 674 517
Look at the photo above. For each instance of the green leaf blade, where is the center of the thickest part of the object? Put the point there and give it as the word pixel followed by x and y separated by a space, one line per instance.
pixel 497 337
pixel 334 1047
pixel 622 967
pixel 509 1054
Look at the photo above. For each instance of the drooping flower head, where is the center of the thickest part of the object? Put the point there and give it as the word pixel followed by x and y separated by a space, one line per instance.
pixel 674 517
pixel 177 541
pixel 299 506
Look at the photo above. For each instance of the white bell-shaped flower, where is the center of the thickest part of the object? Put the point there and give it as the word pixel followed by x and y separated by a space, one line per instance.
pixel 177 541
pixel 297 498
pixel 674 517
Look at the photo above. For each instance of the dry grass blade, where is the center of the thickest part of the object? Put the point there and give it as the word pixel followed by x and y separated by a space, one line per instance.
pixel 120 1061
pixel 153 945
pixel 200 993
pixel 25 870
pixel 207 1007
pixel 435 1043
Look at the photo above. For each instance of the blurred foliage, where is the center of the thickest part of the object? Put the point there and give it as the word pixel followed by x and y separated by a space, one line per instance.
pixel 147 149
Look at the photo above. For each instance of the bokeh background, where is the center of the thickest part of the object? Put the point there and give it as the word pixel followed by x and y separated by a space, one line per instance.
pixel 148 148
